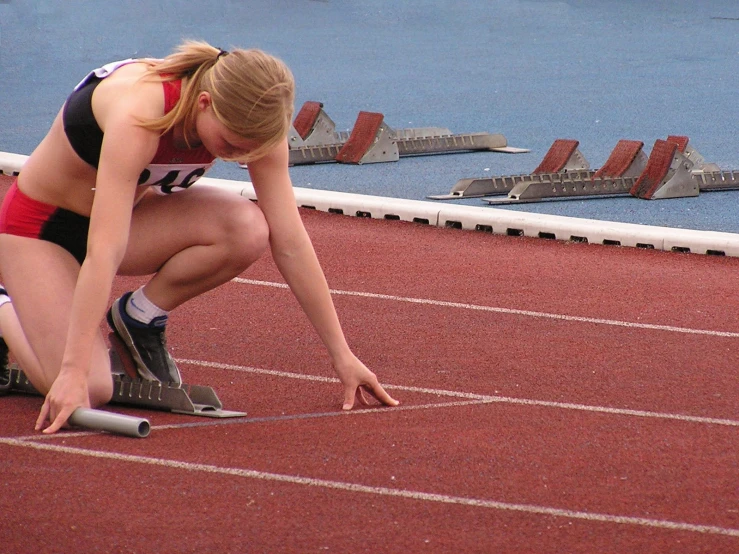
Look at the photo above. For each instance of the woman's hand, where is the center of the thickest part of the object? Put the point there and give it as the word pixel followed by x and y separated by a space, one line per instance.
pixel 68 392
pixel 359 381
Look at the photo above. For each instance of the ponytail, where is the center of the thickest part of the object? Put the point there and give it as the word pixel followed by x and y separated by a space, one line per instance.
pixel 252 92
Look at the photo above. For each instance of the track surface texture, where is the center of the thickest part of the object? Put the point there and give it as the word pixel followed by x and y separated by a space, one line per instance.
pixel 555 397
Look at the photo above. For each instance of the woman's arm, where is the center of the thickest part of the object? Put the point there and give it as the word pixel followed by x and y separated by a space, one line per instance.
pixel 295 258
pixel 126 150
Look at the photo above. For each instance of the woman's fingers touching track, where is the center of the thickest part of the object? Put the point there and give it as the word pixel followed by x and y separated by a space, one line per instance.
pixel 58 422
pixel 381 395
pixel 359 395
pixel 43 415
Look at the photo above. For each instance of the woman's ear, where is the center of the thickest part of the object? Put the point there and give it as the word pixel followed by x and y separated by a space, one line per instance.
pixel 204 101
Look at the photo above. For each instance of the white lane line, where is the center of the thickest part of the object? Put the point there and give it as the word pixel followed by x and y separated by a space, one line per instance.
pixel 339 413
pixel 207 422
pixel 510 311
pixel 473 396
pixel 380 491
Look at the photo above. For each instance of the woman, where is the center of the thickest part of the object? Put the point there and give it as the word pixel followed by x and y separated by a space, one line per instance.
pixel 107 192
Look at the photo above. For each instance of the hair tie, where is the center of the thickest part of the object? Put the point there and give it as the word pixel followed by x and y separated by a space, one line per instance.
pixel 221 52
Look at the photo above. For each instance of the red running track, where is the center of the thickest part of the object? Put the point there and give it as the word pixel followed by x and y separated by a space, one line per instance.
pixel 556 397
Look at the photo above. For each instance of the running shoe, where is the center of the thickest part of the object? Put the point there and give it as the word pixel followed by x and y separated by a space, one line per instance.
pixel 4 369
pixel 146 344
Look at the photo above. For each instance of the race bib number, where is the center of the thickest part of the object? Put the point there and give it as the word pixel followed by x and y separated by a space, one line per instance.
pixel 166 179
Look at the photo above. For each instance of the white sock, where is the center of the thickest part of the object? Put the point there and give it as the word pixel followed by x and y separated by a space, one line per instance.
pixel 140 308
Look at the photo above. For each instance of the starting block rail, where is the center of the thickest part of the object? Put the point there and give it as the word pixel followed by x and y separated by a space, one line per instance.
pixel 566 186
pixel 486 186
pixel 711 181
pixel 314 139
pixel 666 173
pixel 185 399
pixel 562 158
pixel 312 154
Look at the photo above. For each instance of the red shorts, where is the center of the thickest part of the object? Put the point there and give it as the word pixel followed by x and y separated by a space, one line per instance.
pixel 23 216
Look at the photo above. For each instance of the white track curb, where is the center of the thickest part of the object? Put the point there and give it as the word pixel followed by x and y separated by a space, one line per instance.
pixel 486 219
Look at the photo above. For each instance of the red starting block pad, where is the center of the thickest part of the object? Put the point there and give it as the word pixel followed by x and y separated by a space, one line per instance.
pixel 677 170
pixel 563 155
pixel 626 160
pixel 313 128
pixel 668 173
pixel 680 141
pixel 306 119
pixel 370 141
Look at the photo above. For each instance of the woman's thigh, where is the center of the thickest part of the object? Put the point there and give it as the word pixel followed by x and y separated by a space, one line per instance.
pixel 40 278
pixel 162 226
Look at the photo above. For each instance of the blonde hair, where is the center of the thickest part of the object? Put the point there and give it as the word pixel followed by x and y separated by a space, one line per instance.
pixel 252 92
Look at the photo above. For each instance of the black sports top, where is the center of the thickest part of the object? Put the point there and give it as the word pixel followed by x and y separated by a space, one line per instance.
pixel 171 170
pixel 83 131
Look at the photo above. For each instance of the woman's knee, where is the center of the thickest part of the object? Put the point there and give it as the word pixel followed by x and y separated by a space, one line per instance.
pixel 100 379
pixel 246 232
pixel 100 391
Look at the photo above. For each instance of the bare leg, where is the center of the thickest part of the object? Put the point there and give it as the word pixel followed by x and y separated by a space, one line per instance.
pixel 194 241
pixel 40 278
pixel 15 338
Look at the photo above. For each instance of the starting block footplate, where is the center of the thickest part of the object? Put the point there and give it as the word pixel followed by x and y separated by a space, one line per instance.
pixel 185 399
pixel 196 400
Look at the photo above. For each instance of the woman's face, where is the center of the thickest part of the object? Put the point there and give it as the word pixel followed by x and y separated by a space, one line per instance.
pixel 216 137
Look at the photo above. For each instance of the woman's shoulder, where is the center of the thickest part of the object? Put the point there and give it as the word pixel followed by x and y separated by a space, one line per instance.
pixel 131 88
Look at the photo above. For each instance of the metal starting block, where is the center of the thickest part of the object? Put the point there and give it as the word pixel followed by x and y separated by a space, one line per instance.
pixel 152 395
pixel 313 127
pixel 668 173
pixel 617 176
pixel 313 138
pixel 562 158
pixel 674 169
pixel 184 399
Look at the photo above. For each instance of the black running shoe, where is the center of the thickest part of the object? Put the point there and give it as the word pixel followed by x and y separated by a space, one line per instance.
pixel 4 369
pixel 146 344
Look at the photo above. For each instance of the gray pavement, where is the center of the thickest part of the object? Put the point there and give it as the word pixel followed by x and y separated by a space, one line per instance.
pixel 596 71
